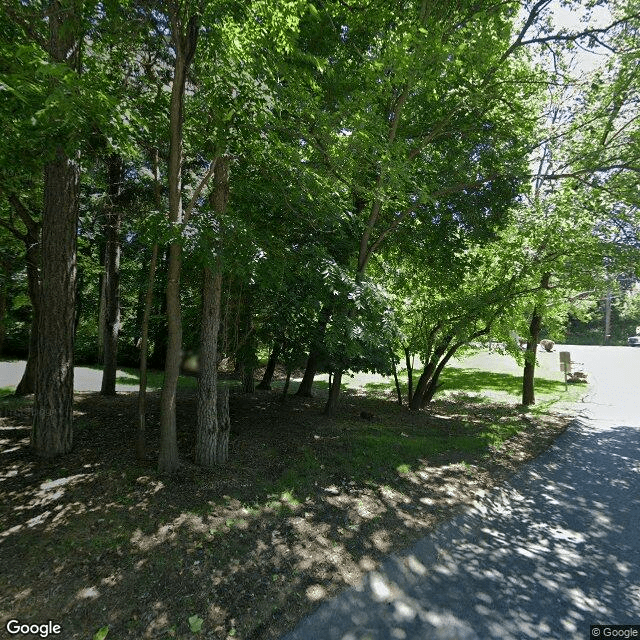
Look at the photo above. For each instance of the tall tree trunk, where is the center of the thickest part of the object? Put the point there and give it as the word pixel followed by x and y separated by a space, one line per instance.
pixel 168 458
pixel 141 443
pixel 102 314
pixel 422 385
pixel 184 41
pixel 317 341
pixel 528 378
pixel 224 426
pixel 209 446
pixel 248 381
pixel 112 278
pixel 246 358
pixel 31 241
pixel 207 417
pixel 265 384
pixel 158 328
pixel 306 384
pixel 52 432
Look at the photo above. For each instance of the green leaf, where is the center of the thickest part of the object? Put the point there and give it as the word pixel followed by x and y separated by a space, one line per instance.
pixel 101 633
pixel 195 623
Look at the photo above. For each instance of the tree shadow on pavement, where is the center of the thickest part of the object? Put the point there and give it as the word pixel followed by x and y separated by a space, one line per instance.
pixel 544 557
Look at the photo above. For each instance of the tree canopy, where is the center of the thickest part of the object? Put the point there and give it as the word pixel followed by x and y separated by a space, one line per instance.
pixel 341 184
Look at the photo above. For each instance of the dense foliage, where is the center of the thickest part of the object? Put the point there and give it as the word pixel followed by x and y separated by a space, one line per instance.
pixel 401 179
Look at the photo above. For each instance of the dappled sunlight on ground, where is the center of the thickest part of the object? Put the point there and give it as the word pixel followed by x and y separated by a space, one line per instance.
pixel 543 558
pixel 306 507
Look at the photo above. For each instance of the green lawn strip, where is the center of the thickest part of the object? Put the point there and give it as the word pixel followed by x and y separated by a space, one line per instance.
pixel 373 453
pixel 474 381
pixel 131 376
pixel 155 379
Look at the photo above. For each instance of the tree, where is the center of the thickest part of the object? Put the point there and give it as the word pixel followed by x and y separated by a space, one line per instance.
pixel 404 130
pixel 27 230
pixel 211 436
pixel 52 432
pixel 184 22
pixel 111 280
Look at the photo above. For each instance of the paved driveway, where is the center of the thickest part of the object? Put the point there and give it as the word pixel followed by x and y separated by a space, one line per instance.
pixel 553 551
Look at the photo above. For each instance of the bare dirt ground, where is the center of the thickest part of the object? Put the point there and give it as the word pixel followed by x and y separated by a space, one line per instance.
pixel 303 508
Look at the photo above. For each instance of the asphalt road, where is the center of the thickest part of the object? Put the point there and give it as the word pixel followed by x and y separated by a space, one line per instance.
pixel 554 551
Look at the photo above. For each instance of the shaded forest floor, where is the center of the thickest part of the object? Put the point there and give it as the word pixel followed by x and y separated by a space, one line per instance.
pixel 304 507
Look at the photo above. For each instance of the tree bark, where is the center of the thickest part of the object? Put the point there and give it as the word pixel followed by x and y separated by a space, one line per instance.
pixel 246 357
pixel 209 432
pixel 287 381
pixel 224 426
pixel 429 369
pixel 52 432
pixel 141 444
pixel 185 44
pixel 158 327
pixel 27 383
pixel 528 377
pixel 407 359
pixel 395 377
pixel 248 381
pixel 31 240
pixel 306 385
pixel 422 385
pixel 111 325
pixel 433 385
pixel 331 406
pixel 265 384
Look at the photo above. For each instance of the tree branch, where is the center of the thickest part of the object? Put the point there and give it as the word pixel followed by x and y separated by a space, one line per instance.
pixel 196 194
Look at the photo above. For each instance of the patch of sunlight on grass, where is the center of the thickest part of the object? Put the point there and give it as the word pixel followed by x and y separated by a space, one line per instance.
pixel 506 387
pixel 288 497
pixel 373 451
pixel 155 379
